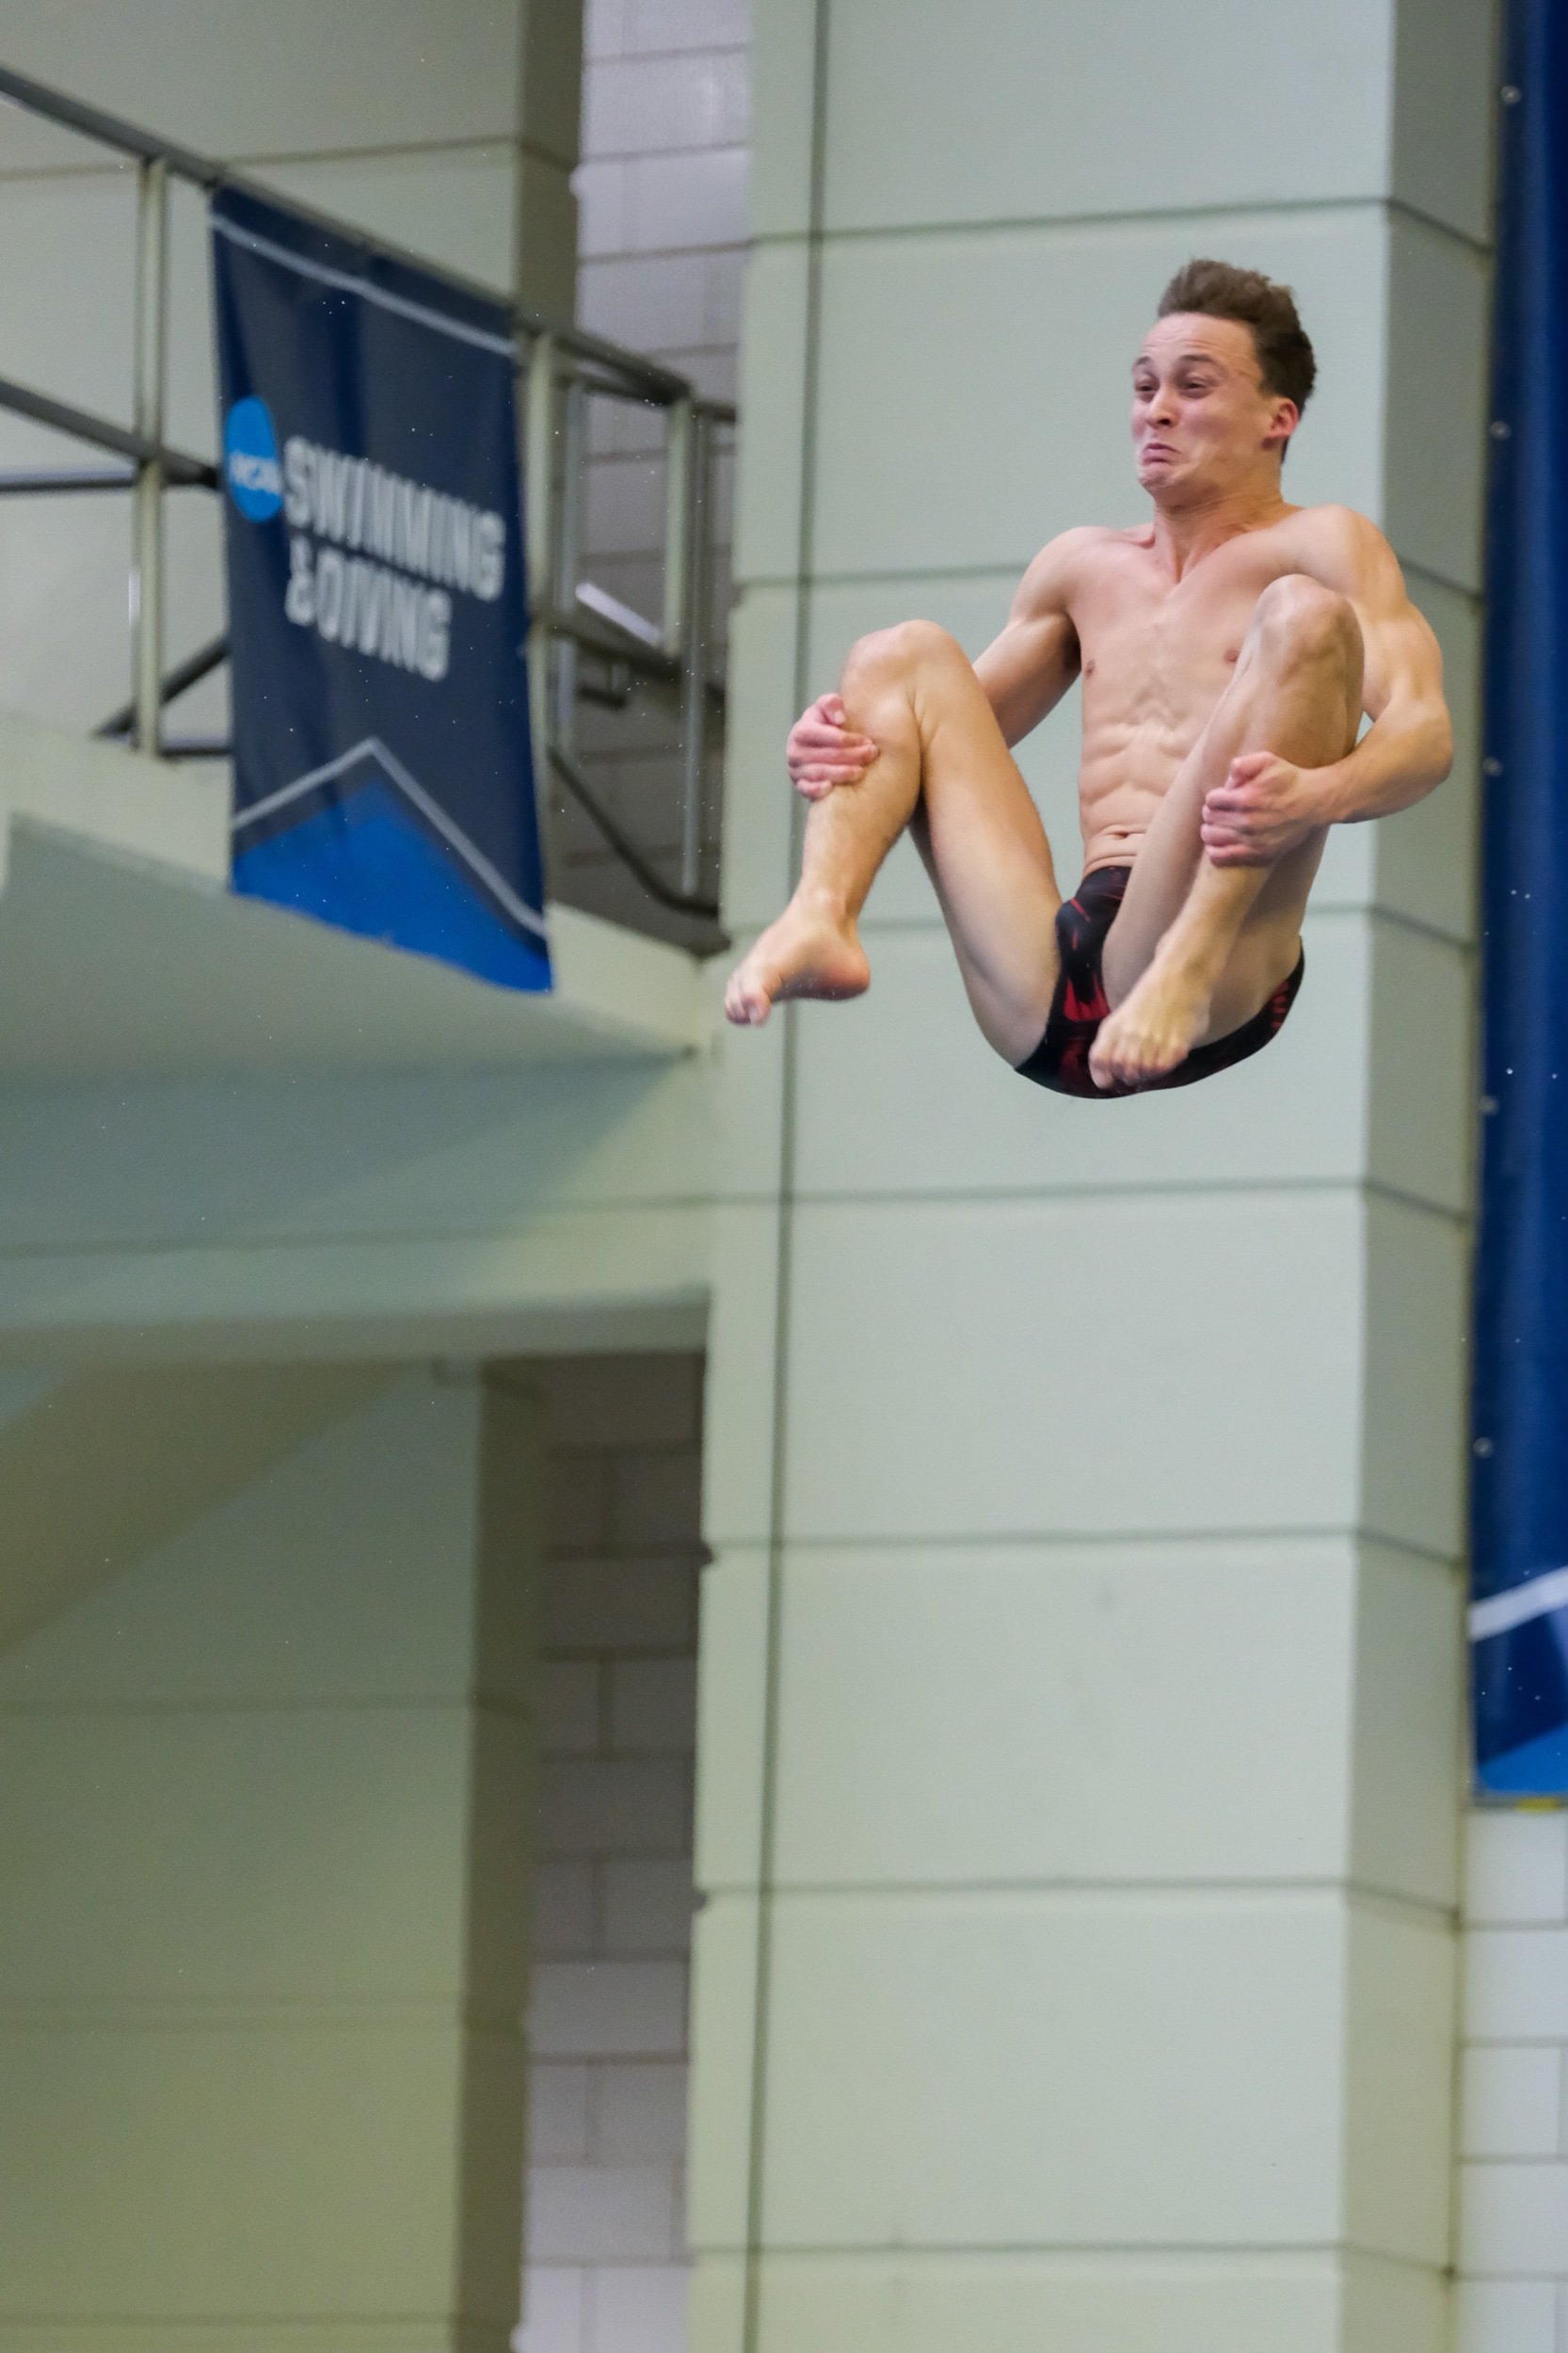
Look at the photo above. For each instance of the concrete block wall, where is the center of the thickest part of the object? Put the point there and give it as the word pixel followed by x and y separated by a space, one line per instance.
pixel 662 191
pixel 1080 1690
pixel 266 1799
pixel 1513 2109
pixel 607 2266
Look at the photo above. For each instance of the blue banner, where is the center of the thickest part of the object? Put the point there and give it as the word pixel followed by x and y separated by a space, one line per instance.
pixel 1519 1610
pixel 383 773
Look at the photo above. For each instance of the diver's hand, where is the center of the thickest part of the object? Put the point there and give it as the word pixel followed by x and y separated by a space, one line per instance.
pixel 1264 808
pixel 824 750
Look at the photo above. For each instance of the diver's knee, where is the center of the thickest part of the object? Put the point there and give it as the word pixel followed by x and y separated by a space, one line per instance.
pixel 906 646
pixel 1296 619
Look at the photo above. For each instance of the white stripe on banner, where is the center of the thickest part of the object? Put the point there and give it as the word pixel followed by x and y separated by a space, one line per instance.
pixel 411 790
pixel 347 283
pixel 1501 1612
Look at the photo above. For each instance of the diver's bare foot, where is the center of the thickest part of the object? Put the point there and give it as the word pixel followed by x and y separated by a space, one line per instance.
pixel 1157 1025
pixel 807 953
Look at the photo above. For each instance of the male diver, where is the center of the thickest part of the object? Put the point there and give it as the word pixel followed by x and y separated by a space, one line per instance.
pixel 1228 648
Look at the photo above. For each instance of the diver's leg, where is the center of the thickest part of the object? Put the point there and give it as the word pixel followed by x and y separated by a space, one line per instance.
pixel 1197 949
pixel 941 760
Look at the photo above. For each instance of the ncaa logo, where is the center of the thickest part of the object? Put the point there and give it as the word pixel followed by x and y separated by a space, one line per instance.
pixel 250 460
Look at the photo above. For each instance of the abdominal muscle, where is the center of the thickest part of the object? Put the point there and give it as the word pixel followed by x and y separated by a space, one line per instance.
pixel 1123 777
pixel 1150 685
pixel 1157 659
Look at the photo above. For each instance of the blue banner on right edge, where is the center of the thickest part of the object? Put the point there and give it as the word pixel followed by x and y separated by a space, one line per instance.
pixel 1519 1606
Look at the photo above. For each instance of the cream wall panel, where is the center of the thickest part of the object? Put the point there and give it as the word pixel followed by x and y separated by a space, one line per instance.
pixel 164 1446
pixel 226 2030
pixel 1017 2303
pixel 955 447
pixel 306 78
pixel 261 1601
pixel 1010 1367
pixel 739 1431
pixel 452 205
pixel 1444 56
pixel 745 1078
pixel 1436 414
pixel 774 338
pixel 64 645
pixel 501 1786
pixel 78 228
pixel 628 1278
pixel 1009 111
pixel 1420 1105
pixel 902 2114
pixel 344 2142
pixel 124 805
pixel 544 244
pixel 784 70
pixel 1410 1719
pixel 321 1155
pixel 732 1718
pixel 238 1856
pixel 287 2336
pixel 759 862
pixel 1134 1733
pixel 1399 2083
pixel 64 642
pixel 899 1094
pixel 1395 2308
pixel 716 2304
pixel 1414 1370
pixel 723 2007
pixel 21 1390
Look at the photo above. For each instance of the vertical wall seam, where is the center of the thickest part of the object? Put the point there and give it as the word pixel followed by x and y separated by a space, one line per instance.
pixel 805 552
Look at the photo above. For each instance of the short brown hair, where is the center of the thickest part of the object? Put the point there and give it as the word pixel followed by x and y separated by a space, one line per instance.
pixel 1217 290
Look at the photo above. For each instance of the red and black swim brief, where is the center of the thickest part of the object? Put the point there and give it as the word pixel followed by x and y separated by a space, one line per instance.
pixel 1060 1061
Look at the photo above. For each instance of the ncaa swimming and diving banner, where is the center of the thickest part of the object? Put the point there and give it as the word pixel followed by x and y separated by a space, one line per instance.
pixel 1519 1609
pixel 383 774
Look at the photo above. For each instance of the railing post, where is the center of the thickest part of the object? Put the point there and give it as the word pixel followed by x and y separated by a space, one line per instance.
pixel 694 658
pixel 569 553
pixel 147 519
pixel 679 454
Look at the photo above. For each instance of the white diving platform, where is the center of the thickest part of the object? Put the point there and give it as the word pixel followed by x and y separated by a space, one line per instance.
pixel 123 953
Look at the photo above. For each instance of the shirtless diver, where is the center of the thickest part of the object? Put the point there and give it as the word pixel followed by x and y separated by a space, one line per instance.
pixel 1228 648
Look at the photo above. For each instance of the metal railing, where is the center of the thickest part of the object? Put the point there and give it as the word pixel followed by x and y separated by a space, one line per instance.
pixel 583 644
